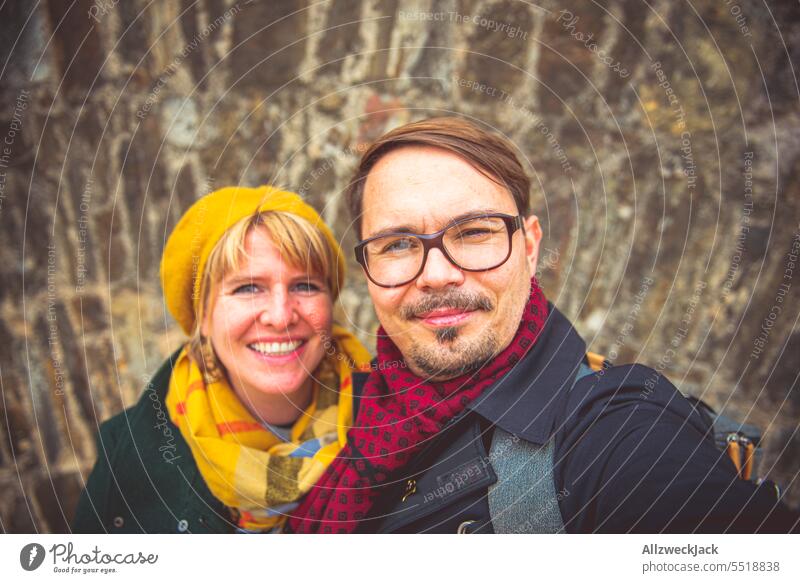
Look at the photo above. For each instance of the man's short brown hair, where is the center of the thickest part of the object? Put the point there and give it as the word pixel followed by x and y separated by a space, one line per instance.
pixel 487 152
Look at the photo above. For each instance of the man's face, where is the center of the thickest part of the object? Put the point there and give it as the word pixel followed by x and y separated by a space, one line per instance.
pixel 447 321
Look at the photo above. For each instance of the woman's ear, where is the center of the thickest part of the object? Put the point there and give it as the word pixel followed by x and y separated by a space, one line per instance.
pixel 533 237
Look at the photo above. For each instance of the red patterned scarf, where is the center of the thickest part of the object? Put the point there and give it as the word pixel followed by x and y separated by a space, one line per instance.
pixel 399 412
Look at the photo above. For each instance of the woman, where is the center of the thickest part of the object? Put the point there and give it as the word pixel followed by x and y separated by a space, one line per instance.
pixel 242 420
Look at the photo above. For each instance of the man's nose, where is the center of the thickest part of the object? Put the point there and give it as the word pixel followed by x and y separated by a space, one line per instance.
pixel 438 272
pixel 278 311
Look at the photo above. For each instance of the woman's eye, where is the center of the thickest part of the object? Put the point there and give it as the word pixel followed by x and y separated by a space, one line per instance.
pixel 247 288
pixel 307 287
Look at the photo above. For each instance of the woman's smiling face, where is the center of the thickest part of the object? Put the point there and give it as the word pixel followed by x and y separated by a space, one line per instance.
pixel 268 322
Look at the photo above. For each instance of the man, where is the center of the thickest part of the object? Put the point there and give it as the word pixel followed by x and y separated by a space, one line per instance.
pixel 482 414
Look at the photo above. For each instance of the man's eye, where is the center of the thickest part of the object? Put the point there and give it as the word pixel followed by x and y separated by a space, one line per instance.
pixel 399 245
pixel 248 288
pixel 474 233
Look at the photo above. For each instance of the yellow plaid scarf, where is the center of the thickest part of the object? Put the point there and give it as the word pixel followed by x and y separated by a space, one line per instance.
pixel 248 468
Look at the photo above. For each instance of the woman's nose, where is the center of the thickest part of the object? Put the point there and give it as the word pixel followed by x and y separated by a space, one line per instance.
pixel 278 311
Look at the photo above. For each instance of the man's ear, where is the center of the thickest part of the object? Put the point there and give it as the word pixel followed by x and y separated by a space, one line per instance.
pixel 533 237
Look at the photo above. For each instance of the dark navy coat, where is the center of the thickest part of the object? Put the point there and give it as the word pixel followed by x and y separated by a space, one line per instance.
pixel 631 455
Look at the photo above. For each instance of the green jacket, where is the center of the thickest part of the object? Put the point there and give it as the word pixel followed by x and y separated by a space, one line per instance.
pixel 145 478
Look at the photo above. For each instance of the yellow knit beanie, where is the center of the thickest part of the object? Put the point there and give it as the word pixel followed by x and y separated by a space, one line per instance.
pixel 202 226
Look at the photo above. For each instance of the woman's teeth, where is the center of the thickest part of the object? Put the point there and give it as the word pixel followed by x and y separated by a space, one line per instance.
pixel 276 348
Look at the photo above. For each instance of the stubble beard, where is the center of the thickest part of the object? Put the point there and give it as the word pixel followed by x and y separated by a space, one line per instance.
pixel 452 356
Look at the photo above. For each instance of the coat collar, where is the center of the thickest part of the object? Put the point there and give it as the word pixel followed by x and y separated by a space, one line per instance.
pixel 525 400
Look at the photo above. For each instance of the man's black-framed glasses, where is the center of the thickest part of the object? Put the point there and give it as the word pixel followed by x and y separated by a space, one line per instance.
pixel 475 243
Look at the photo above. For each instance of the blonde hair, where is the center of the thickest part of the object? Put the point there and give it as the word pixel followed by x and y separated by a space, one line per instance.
pixel 300 244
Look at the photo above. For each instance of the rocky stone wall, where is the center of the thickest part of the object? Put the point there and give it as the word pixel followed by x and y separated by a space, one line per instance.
pixel 663 138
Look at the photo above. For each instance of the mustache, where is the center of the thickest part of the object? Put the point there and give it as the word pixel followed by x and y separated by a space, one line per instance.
pixel 456 299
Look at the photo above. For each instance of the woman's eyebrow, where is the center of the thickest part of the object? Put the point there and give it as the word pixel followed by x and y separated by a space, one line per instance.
pixel 306 276
pixel 238 278
pixel 255 277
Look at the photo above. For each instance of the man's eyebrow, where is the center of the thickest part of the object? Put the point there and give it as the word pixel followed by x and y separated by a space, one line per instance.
pixel 475 213
pixel 392 229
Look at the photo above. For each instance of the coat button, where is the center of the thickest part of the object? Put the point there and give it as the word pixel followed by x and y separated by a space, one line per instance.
pixel 183 525
pixel 411 487
pixel 119 521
